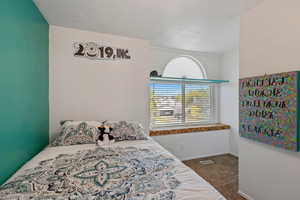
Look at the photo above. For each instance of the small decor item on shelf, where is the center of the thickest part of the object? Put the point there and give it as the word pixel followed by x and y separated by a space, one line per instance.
pixel 154 74
pixel 105 137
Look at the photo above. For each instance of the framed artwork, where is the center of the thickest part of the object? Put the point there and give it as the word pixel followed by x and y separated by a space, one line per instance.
pixel 269 109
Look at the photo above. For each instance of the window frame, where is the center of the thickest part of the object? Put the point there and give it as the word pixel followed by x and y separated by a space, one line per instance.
pixel 214 107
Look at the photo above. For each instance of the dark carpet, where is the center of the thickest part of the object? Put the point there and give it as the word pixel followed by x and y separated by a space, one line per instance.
pixel 222 174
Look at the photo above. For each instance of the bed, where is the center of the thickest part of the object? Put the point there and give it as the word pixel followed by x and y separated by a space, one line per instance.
pixel 126 170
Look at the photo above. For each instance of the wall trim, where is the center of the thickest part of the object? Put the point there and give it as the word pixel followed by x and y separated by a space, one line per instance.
pixel 246 196
pixel 234 155
pixel 204 156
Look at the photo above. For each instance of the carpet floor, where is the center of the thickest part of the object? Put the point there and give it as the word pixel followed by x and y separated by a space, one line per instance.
pixel 222 173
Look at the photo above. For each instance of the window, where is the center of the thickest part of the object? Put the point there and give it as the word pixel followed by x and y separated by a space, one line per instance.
pixel 185 66
pixel 182 102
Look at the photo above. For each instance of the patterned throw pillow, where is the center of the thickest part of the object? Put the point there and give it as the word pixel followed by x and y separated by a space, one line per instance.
pixel 124 130
pixel 77 132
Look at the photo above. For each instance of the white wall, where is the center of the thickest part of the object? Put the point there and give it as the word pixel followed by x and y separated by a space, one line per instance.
pixel 83 89
pixel 270 43
pixel 229 97
pixel 196 145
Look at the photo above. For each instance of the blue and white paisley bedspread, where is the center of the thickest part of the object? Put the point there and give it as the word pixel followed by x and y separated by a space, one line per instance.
pixel 132 170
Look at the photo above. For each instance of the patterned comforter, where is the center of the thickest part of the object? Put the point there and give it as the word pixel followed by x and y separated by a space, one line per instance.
pixel 136 170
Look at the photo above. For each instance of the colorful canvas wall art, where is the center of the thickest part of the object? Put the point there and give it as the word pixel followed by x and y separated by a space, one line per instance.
pixel 269 109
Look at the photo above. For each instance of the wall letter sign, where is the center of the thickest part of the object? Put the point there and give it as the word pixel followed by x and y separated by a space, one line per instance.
pixel 94 51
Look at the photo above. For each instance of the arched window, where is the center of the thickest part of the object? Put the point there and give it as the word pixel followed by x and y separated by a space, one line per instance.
pixel 182 102
pixel 185 66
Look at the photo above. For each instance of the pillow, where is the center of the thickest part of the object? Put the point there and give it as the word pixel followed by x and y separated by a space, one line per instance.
pixel 77 132
pixel 123 130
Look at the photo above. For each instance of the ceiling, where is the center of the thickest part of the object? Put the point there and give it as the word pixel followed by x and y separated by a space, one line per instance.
pixel 197 25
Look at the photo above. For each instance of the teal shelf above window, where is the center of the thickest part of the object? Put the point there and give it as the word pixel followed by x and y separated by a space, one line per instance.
pixel 170 79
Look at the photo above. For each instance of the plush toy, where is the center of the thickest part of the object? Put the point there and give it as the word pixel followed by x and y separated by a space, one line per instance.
pixel 105 138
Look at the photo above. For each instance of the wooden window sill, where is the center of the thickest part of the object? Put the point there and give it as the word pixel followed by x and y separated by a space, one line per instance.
pixel 212 127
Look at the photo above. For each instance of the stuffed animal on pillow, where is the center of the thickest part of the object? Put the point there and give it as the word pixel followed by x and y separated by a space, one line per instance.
pixel 105 137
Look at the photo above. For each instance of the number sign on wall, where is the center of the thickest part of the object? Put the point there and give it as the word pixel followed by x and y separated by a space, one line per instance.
pixel 94 51
pixel 269 109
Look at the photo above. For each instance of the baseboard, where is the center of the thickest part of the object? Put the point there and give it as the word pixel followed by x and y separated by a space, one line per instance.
pixel 201 156
pixel 246 196
pixel 236 156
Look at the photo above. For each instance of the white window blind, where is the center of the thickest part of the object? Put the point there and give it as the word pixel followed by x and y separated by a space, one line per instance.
pixel 179 103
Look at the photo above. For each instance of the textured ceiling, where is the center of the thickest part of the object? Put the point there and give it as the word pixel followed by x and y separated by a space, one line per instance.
pixel 199 25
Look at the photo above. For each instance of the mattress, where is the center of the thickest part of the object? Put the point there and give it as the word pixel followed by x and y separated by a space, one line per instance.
pixel 128 170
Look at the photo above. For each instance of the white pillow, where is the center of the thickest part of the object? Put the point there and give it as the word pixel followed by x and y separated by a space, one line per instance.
pixel 77 132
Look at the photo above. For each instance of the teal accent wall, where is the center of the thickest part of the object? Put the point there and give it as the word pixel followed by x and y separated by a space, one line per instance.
pixel 298 110
pixel 24 107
